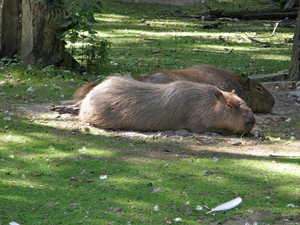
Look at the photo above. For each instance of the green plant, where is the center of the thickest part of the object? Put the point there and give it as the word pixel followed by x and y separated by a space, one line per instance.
pixel 92 52
pixel 11 62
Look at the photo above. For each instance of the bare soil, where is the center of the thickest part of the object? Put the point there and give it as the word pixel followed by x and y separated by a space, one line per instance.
pixel 274 135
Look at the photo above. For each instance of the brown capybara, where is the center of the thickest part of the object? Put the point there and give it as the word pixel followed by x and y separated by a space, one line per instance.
pixel 256 97
pixel 83 90
pixel 122 103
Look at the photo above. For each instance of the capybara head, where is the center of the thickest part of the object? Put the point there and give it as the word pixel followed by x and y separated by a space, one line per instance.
pixel 233 110
pixel 127 104
pixel 260 99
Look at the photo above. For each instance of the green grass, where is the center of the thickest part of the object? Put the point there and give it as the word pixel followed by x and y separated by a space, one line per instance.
pixel 167 40
pixel 41 180
pixel 41 160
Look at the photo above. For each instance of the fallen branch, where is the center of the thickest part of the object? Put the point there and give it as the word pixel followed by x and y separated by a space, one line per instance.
pixel 250 39
pixel 276 25
pixel 261 42
pixel 243 37
pixel 220 52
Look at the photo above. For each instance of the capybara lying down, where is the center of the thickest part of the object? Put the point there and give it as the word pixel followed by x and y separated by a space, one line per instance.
pixel 256 97
pixel 122 103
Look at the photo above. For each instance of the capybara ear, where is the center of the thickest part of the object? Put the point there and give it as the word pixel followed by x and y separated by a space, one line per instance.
pixel 247 83
pixel 219 95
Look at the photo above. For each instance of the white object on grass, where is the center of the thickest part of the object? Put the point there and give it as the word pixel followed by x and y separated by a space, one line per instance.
pixel 177 220
pixel 13 223
pixel 227 205
pixel 103 177
pixel 30 89
pixel 199 207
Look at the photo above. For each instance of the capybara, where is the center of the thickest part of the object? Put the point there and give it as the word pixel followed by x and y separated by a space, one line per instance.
pixel 122 103
pixel 83 90
pixel 256 97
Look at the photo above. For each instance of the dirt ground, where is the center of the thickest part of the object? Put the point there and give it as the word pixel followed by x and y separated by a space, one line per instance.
pixel 274 135
pixel 282 126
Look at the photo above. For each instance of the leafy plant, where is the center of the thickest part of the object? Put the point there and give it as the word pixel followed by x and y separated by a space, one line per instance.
pixel 11 62
pixel 78 21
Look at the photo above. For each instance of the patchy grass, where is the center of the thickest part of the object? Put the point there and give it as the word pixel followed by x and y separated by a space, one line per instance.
pixel 51 174
pixel 50 168
pixel 148 37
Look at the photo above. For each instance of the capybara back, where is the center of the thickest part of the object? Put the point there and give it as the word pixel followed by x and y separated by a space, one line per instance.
pixel 126 104
pixel 255 96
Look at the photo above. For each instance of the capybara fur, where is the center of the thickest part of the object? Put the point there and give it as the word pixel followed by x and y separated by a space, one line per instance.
pixel 122 103
pixel 83 90
pixel 256 97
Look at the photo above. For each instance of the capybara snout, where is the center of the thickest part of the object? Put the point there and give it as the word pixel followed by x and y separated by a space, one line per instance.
pixel 122 103
pixel 250 121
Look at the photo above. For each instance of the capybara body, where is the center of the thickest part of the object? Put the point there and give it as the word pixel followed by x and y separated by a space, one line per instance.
pixel 256 97
pixel 122 103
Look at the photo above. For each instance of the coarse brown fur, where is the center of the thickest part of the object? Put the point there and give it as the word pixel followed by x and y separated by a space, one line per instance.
pixel 122 103
pixel 83 90
pixel 255 96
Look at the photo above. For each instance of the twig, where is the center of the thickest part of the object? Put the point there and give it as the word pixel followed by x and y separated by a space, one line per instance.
pixel 220 52
pixel 261 42
pixel 243 37
pixel 44 129
pixel 276 25
pixel 250 39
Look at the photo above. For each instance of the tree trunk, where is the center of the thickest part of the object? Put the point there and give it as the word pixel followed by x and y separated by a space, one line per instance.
pixel 33 33
pixel 10 27
pixel 294 70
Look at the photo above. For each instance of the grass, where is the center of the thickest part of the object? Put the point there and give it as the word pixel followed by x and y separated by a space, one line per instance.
pixel 50 171
pixel 167 39
pixel 42 180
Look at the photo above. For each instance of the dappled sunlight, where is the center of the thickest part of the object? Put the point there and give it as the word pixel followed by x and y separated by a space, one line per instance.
pixel 17 198
pixel 282 57
pixel 288 169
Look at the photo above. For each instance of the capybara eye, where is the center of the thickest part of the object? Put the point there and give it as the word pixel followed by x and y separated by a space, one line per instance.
pixel 229 105
pixel 259 88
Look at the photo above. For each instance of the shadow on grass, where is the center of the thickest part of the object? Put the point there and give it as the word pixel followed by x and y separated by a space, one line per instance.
pixel 52 176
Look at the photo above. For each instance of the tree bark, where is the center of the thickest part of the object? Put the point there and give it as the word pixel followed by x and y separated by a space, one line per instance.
pixel 10 27
pixel 33 33
pixel 294 70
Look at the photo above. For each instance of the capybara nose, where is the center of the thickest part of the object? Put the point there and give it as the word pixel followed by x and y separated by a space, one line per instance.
pixel 250 121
